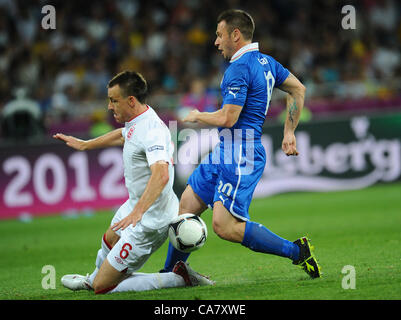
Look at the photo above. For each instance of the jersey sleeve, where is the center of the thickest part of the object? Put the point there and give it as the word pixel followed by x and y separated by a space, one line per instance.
pixel 281 72
pixel 235 84
pixel 155 145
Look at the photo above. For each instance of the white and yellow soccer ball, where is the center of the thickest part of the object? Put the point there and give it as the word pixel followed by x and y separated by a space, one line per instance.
pixel 187 232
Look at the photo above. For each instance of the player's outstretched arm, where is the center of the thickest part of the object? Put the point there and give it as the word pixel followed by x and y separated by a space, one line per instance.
pixel 110 139
pixel 224 117
pixel 295 103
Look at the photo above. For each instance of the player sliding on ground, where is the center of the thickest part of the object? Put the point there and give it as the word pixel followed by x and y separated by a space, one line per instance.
pixel 227 179
pixel 152 203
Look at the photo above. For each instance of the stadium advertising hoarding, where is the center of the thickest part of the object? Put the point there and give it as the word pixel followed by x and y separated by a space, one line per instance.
pixel 334 155
pixel 337 155
pixel 53 178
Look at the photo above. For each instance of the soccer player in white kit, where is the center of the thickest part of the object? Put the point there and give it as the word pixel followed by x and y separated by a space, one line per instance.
pixel 141 223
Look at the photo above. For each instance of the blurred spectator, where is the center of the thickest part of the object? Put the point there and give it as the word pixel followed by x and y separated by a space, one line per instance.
pixel 386 60
pixel 99 126
pixel 21 118
pixel 172 43
pixel 385 15
pixel 97 78
pixel 198 97
pixel 66 77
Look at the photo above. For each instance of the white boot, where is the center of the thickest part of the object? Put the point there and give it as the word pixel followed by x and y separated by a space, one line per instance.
pixel 76 282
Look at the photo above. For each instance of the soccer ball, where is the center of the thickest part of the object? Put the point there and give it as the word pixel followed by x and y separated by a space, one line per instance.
pixel 187 232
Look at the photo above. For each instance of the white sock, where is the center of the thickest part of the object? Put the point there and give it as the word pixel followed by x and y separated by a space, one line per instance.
pixel 101 255
pixel 149 281
pixel 92 276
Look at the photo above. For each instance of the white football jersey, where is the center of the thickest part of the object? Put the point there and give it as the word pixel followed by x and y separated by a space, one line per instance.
pixel 148 140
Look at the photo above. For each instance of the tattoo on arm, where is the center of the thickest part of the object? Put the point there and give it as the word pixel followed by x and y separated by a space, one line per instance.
pixel 291 111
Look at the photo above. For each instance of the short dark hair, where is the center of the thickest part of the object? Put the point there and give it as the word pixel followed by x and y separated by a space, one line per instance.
pixel 238 19
pixel 131 84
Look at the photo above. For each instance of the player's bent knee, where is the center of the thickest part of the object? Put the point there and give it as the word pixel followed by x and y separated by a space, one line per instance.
pixel 103 285
pixel 98 285
pixel 111 238
pixel 225 225
pixel 102 289
pixel 221 230
pixel 217 229
pixel 107 278
pixel 190 202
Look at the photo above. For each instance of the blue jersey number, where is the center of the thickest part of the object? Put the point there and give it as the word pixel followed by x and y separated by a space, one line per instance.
pixel 270 85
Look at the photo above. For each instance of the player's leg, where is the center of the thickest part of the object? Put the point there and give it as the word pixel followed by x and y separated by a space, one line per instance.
pixel 190 202
pixel 149 281
pixel 196 198
pixel 251 234
pixel 225 225
pixel 231 220
pixel 80 282
pixel 110 238
pixel 107 278
pixel 258 238
pixel 151 241
pixel 129 254
pixel 182 275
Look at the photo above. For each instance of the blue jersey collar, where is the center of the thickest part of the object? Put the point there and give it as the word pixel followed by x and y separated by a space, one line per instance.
pixel 247 48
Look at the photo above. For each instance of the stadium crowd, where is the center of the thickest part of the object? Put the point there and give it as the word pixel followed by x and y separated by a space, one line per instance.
pixel 172 43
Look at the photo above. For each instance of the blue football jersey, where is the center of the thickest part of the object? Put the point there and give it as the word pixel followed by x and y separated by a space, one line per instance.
pixel 231 172
pixel 248 82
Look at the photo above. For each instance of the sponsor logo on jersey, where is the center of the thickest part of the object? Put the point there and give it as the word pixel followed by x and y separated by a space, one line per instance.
pixel 155 147
pixel 263 61
pixel 118 259
pixel 233 91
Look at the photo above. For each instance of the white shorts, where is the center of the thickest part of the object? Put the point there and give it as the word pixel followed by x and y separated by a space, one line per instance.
pixel 136 244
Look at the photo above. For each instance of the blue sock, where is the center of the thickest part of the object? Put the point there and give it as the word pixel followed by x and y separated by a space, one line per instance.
pixel 260 239
pixel 173 256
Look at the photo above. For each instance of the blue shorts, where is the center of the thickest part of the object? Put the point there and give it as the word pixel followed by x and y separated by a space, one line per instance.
pixel 233 181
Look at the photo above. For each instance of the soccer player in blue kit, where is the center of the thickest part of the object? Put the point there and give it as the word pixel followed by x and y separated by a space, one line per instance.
pixel 226 179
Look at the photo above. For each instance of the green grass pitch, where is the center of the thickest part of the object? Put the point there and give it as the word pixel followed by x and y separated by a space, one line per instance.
pixel 357 228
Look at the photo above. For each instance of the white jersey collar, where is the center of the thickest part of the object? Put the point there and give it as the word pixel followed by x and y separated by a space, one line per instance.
pixel 247 48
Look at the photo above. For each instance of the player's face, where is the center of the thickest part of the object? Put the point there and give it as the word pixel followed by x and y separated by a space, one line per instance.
pixel 223 41
pixel 119 105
